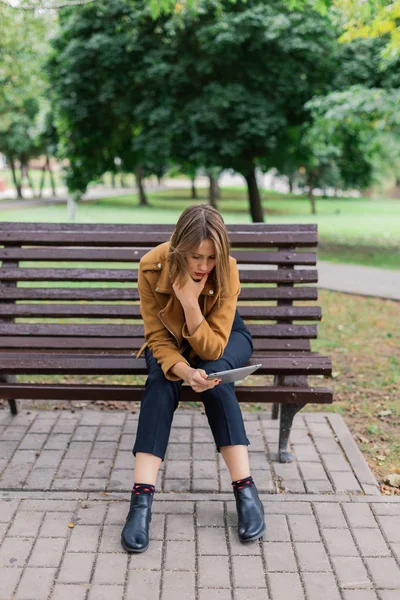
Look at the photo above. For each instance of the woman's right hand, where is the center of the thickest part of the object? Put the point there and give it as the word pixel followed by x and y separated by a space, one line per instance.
pixel 197 379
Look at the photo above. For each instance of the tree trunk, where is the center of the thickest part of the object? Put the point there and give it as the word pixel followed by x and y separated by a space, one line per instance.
pixel 310 194
pixel 256 209
pixel 290 181
pixel 17 183
pixel 194 191
pixel 28 176
pixel 312 199
pixel 41 185
pixel 72 206
pixel 53 183
pixel 122 181
pixel 212 192
pixel 113 180
pixel 139 182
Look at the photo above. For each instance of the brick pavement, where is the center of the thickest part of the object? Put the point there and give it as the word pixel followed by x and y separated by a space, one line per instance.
pixel 64 494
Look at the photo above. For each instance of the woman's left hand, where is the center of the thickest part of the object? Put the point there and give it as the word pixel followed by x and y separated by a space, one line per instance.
pixel 190 291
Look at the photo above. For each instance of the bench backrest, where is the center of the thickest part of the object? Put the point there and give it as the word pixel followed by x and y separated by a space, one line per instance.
pixel 73 286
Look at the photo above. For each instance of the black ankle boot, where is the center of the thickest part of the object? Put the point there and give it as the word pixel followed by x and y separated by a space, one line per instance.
pixel 250 510
pixel 135 534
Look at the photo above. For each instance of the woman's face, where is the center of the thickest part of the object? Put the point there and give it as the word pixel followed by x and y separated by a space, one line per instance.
pixel 201 260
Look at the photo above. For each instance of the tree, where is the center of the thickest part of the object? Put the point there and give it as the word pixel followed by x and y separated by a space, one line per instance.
pixel 223 85
pixel 23 86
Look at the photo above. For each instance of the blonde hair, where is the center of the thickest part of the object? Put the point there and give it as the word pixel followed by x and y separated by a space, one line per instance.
pixel 197 223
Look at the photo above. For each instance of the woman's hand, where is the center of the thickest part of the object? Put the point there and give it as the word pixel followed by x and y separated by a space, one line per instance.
pixel 197 379
pixel 189 293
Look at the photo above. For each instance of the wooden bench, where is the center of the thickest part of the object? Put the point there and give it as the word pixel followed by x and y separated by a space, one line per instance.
pixel 266 254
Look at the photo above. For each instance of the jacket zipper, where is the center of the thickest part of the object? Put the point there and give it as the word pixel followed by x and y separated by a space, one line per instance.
pixel 171 332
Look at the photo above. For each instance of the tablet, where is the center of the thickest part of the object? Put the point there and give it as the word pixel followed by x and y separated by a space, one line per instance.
pixel 232 375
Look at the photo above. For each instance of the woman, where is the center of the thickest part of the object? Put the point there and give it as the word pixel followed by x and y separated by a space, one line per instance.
pixel 188 290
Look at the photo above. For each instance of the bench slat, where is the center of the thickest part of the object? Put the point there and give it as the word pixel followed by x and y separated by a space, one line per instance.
pixel 150 227
pixel 124 294
pixel 127 330
pixel 116 343
pixel 124 275
pixel 283 395
pixel 135 254
pixel 121 311
pixel 253 239
pixel 15 363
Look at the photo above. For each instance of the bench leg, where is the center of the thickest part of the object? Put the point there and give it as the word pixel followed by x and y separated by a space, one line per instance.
pixel 275 411
pixel 13 406
pixel 288 412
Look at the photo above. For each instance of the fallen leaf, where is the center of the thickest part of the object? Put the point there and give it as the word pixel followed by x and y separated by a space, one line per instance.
pixel 71 525
pixel 384 413
pixel 393 480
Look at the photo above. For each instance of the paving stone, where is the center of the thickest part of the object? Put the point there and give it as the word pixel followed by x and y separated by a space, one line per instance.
pixel 286 586
pixel 106 592
pixel 213 571
pixel 351 572
pixel 330 515
pixel 40 479
pixel 176 584
pixel 336 462
pixel 151 559
pixel 306 453
pixel 76 567
pixel 31 441
pixel 396 550
pixel 312 556
pixel 340 542
pixel 92 514
pixel 25 524
pixel 35 583
pixel 391 527
pixel 111 539
pixel 180 485
pixel 327 446
pixel 321 486
pixel 359 515
pixel 98 467
pixel 108 433
pixel 124 460
pixel 79 450
pixel 388 595
pixel 8 508
pixel 8 581
pixel 173 507
pixel 84 538
pixel 148 582
pixel 386 508
pixel 56 525
pixel 84 434
pixel 210 514
pixel 321 585
pixel 47 552
pixel 200 451
pixel 385 572
pixel 295 486
pixel 239 548
pixel 345 482
pixel 180 527
pixel 117 513
pixel 371 542
pixel 204 469
pixel 106 449
pixel 111 569
pixel 304 528
pixel 360 595
pixel 212 540
pixel 279 556
pixel 180 555
pixel 220 594
pixel 51 505
pixel 248 571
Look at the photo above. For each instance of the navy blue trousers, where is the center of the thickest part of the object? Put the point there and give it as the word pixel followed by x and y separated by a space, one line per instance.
pixel 161 398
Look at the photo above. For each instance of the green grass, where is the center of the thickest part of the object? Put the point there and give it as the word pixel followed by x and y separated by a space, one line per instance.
pixel 351 230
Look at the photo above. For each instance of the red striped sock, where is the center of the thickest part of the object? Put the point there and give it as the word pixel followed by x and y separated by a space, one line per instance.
pixel 241 483
pixel 143 488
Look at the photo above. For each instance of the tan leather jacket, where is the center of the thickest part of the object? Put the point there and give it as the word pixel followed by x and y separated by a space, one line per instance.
pixel 164 320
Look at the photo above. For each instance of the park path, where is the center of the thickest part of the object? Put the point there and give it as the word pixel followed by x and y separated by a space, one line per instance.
pixel 65 480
